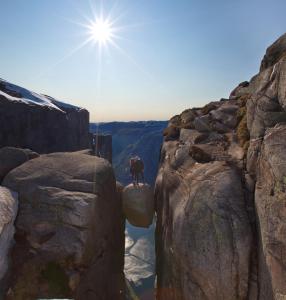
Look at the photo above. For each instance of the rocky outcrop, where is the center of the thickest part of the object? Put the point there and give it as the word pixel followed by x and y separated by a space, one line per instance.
pixel 39 122
pixel 274 53
pixel 69 229
pixel 8 212
pixel 221 194
pixel 203 234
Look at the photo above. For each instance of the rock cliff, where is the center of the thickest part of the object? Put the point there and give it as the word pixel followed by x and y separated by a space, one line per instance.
pixel 69 240
pixel 40 122
pixel 220 194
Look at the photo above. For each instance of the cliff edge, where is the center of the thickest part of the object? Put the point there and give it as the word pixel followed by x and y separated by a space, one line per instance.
pixel 39 122
pixel 220 193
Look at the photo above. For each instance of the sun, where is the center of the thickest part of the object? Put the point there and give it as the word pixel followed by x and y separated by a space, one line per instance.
pixel 101 31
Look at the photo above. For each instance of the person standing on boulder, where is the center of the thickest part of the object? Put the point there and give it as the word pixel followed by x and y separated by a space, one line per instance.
pixel 136 169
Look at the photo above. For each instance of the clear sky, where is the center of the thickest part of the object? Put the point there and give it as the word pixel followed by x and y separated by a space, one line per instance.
pixel 170 55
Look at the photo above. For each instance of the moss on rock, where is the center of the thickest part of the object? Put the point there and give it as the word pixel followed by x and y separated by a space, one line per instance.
pixel 242 130
pixel 38 280
pixel 56 279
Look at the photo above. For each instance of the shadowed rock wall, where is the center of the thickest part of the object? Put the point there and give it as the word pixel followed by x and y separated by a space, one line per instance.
pixel 43 129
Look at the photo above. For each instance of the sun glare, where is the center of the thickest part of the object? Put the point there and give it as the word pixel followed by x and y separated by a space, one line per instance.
pixel 101 31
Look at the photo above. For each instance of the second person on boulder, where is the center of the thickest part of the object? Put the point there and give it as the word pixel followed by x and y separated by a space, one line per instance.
pixel 136 169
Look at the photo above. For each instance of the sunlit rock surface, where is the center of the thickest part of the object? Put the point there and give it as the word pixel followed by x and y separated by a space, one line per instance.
pixel 69 229
pixel 221 194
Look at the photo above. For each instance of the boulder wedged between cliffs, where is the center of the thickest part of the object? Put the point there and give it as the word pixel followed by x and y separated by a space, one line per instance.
pixel 138 204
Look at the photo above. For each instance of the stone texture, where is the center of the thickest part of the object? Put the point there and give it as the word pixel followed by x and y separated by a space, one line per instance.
pixel 138 204
pixel 43 129
pixel 221 191
pixel 8 212
pixel 70 230
pixel 11 158
pixel 270 203
pixel 274 53
pixel 203 235
pixel 266 106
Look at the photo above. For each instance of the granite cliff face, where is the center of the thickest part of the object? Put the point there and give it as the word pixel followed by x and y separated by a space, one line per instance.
pixel 220 194
pixel 40 122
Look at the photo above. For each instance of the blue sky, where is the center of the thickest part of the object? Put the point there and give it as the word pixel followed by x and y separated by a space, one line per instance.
pixel 172 54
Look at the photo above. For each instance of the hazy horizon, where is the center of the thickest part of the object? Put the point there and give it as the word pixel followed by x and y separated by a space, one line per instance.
pixel 166 55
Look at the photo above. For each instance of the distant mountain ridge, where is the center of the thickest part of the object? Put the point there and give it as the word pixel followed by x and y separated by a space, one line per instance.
pixel 143 138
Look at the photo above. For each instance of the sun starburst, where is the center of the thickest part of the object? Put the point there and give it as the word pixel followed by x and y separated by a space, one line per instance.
pixel 101 31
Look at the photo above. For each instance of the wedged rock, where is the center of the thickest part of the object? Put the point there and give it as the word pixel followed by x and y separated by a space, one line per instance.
pixel 11 157
pixel 203 234
pixel 138 204
pixel 8 212
pixel 70 224
pixel 270 203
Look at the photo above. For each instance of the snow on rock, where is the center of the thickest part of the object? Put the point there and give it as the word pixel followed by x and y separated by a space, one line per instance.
pixel 8 212
pixel 16 93
pixel 39 122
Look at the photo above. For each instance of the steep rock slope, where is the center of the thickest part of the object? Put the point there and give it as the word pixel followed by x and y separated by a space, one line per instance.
pixel 220 194
pixel 203 234
pixel 69 229
pixel 40 122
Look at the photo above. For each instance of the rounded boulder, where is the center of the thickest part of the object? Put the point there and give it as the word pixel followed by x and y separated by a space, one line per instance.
pixel 138 204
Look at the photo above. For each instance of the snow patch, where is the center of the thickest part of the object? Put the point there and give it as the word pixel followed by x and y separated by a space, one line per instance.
pixel 16 93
